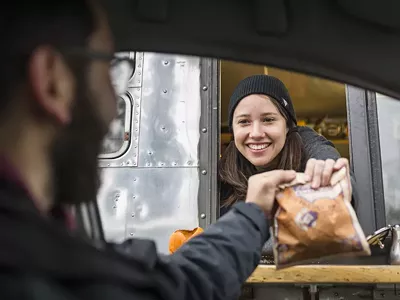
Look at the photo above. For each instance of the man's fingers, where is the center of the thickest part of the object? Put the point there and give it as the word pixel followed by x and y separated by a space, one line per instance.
pixel 277 177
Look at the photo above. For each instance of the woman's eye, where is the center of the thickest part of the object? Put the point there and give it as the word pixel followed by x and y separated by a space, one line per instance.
pixel 243 121
pixel 268 120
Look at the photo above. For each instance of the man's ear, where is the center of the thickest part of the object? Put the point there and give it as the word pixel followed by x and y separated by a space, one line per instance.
pixel 52 83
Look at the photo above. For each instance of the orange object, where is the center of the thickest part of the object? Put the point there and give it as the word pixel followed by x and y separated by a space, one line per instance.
pixel 181 236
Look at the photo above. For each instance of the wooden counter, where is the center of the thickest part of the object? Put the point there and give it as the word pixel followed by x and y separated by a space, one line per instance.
pixel 327 274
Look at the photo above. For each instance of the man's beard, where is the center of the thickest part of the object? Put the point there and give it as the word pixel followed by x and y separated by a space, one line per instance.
pixel 75 153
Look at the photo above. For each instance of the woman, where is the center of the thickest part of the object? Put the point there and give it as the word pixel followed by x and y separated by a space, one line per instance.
pixel 266 137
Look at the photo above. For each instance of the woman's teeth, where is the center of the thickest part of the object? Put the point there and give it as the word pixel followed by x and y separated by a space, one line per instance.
pixel 258 146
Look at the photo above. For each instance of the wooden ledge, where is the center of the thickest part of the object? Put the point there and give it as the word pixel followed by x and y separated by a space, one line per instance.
pixel 327 274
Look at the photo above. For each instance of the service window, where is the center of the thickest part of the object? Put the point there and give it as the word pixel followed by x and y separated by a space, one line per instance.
pixel 319 103
pixel 116 141
pixel 346 116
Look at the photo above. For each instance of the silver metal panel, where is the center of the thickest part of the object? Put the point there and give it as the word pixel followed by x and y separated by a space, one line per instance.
pixel 127 155
pixel 154 191
pixel 148 203
pixel 136 79
pixel 170 115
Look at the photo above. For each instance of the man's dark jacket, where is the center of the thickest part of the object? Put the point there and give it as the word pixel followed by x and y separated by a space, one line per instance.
pixel 41 259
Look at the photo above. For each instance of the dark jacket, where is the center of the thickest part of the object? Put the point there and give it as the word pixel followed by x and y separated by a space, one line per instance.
pixel 41 259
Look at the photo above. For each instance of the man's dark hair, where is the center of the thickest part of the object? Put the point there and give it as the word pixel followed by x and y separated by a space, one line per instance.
pixel 25 25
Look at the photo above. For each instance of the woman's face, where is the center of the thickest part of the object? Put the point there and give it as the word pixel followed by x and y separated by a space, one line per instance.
pixel 259 129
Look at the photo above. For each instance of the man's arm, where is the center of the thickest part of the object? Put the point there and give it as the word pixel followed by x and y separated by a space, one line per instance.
pixel 215 264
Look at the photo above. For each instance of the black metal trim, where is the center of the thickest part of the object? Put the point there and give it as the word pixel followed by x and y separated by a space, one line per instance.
pixel 208 202
pixel 376 161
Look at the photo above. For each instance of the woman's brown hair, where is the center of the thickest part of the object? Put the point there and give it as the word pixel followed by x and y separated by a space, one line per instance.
pixel 235 169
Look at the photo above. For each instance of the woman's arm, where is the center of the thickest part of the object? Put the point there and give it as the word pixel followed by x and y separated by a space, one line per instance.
pixel 317 146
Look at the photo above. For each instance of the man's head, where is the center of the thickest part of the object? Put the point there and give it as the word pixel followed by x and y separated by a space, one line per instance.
pixel 57 92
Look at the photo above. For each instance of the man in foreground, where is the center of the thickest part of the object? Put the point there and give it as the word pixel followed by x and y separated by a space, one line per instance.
pixel 57 101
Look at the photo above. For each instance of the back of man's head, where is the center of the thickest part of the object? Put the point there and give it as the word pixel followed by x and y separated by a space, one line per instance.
pixel 24 25
pixel 56 97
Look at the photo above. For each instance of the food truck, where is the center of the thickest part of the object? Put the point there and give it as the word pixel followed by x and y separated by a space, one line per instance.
pixel 159 160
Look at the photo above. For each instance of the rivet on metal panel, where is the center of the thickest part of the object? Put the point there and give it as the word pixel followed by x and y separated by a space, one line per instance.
pixel 205 88
pixel 162 164
pixel 131 233
pixel 166 62
pixel 114 206
pixel 132 215
pixel 204 130
pixel 203 216
pixel 134 197
pixel 174 163
pixel 164 91
pixel 134 164
pixel 189 163
pixel 162 127
pixel 204 172
pixel 139 66
pixel 139 73
pixel 150 153
pixel 108 165
pixel 134 179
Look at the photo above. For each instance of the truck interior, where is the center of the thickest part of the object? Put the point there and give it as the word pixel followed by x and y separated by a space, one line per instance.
pixel 319 103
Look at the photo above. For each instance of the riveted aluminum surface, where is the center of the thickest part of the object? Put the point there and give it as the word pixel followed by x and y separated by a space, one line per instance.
pixel 148 203
pixel 136 79
pixel 152 189
pixel 170 116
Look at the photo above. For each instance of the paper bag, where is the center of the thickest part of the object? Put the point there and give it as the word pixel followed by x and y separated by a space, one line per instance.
pixel 310 224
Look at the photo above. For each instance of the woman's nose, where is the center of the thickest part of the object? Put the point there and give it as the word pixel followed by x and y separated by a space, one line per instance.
pixel 256 131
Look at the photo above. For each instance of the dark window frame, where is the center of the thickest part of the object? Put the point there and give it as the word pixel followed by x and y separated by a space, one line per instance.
pixel 365 157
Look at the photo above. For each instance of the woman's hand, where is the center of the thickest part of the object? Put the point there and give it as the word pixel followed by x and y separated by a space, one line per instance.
pixel 319 172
